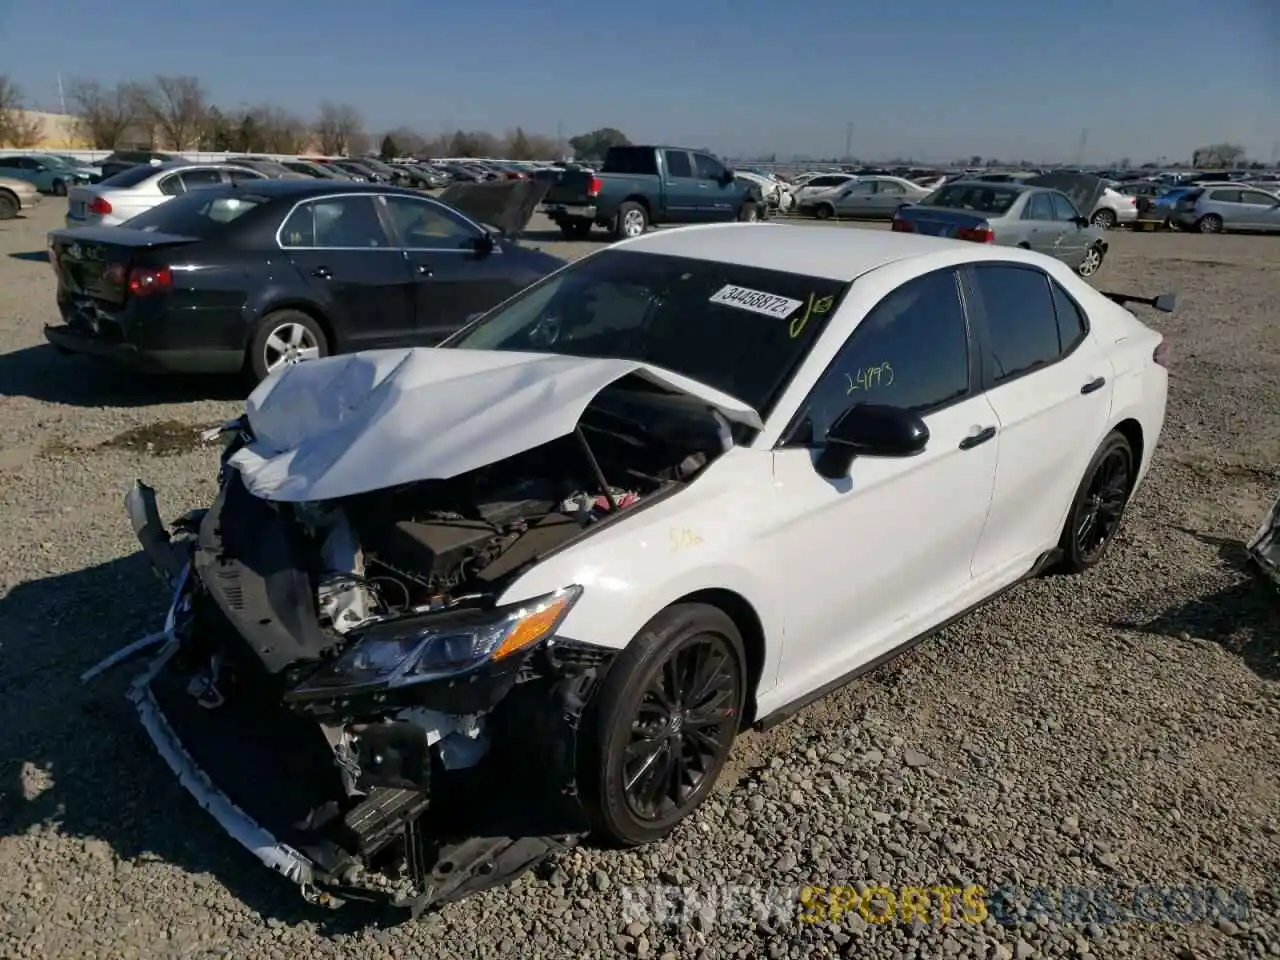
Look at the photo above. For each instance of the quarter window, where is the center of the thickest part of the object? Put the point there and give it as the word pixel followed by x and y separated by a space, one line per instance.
pixel 1022 325
pixel 171 186
pixel 910 351
pixel 1071 322
pixel 348 222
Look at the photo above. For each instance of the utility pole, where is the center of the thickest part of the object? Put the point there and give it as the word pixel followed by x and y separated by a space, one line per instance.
pixel 1084 140
pixel 848 141
pixel 62 95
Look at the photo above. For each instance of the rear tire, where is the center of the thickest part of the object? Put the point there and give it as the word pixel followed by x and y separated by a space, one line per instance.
pixel 1104 219
pixel 59 188
pixel 658 732
pixel 824 211
pixel 9 205
pixel 1099 504
pixel 1210 223
pixel 632 221
pixel 276 333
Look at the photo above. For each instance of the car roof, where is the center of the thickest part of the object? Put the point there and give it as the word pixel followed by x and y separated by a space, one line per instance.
pixel 833 254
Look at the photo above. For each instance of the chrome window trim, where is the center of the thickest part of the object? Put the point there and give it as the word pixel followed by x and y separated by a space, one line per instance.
pixel 375 196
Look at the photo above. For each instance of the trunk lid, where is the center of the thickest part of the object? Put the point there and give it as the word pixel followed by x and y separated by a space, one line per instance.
pixel 572 187
pixel 507 205
pixel 96 261
pixel 937 221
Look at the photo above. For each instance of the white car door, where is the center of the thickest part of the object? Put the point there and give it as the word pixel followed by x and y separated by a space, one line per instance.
pixel 863 562
pixel 1050 383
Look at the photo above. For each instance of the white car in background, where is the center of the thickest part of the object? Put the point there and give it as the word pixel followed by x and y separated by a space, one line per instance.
pixel 138 189
pixel 775 193
pixel 820 184
pixel 1114 209
pixel 586 540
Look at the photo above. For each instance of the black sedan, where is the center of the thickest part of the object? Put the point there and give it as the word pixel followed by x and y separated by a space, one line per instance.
pixel 268 273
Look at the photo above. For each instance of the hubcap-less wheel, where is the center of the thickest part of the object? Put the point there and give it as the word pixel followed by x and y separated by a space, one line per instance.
pixel 288 344
pixel 1104 219
pixel 1098 515
pixel 683 729
pixel 633 223
pixel 1091 262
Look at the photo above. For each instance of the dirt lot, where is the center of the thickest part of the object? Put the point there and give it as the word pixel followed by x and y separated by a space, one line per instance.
pixel 1115 732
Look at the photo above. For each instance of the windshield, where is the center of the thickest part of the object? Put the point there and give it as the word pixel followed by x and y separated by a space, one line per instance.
pixel 132 176
pixel 742 330
pixel 198 214
pixel 979 197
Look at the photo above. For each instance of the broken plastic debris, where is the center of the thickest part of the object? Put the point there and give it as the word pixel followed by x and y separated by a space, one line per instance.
pixel 123 654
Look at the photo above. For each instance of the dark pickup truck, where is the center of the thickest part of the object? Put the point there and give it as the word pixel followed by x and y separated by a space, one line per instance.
pixel 639 186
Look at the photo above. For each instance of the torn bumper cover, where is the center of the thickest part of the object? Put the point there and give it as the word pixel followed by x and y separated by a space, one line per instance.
pixel 1264 548
pixel 356 780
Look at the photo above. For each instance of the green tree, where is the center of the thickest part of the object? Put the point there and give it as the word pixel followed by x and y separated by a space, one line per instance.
pixel 517 146
pixel 388 151
pixel 594 145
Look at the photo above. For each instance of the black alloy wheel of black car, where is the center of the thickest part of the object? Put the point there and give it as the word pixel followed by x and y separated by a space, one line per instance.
pixel 1099 505
pixel 663 723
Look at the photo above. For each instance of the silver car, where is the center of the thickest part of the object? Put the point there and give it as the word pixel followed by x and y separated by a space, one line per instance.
pixel 1014 215
pixel 1218 207
pixel 867 198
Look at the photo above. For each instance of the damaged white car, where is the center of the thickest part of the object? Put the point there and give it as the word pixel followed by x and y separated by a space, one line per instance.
pixel 453 607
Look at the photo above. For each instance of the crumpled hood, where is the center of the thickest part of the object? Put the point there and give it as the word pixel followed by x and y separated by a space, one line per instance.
pixel 366 421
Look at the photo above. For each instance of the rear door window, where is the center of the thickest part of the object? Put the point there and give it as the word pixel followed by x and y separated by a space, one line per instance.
pixel 678 164
pixel 1225 196
pixel 1039 207
pixel 1022 322
pixel 349 223
pixel 195 179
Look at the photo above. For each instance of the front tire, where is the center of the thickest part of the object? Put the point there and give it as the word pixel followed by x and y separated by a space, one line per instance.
pixel 283 338
pixel 824 211
pixel 59 188
pixel 1099 505
pixel 749 213
pixel 1092 261
pixel 660 728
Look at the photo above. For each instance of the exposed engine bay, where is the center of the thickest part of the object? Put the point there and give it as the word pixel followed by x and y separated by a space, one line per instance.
pixel 341 689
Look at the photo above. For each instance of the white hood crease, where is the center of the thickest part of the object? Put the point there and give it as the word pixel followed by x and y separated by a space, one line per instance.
pixel 365 421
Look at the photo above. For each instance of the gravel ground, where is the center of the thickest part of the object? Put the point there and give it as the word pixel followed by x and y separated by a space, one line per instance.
pixel 1118 731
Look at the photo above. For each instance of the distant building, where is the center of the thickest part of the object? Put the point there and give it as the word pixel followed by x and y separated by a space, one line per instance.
pixel 61 131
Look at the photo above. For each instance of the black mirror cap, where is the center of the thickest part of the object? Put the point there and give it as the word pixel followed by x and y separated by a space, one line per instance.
pixel 871 430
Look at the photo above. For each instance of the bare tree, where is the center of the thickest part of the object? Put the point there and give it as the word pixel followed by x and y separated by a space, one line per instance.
pixel 17 128
pixel 340 130
pixel 105 115
pixel 178 108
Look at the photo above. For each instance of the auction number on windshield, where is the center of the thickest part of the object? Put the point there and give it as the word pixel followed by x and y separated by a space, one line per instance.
pixel 869 378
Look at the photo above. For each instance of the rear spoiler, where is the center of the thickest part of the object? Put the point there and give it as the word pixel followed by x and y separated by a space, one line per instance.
pixel 1165 303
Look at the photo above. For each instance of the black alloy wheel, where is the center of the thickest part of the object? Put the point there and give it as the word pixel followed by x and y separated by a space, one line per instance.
pixel 1099 506
pixel 660 727
pixel 683 727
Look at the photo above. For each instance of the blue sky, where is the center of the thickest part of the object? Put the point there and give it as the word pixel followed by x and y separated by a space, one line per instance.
pixel 933 79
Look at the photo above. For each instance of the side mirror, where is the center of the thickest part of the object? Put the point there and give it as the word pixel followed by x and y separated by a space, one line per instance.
pixel 728 177
pixel 485 244
pixel 870 430
pixel 1080 221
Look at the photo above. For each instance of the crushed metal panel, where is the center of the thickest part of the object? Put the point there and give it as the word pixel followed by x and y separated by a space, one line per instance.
pixel 360 422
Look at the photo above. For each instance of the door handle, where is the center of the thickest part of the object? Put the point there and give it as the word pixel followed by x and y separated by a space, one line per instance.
pixel 323 273
pixel 982 436
pixel 1096 384
pixel 422 270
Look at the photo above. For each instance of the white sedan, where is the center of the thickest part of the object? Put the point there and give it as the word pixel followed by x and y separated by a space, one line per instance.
pixel 681 486
pixel 138 189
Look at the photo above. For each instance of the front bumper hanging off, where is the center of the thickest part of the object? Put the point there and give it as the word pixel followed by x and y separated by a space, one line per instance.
pixel 508 828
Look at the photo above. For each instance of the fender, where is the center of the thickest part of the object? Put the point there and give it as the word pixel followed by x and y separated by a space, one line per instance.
pixel 276 296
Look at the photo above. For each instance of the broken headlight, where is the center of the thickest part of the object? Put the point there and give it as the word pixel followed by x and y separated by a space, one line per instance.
pixel 405 651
